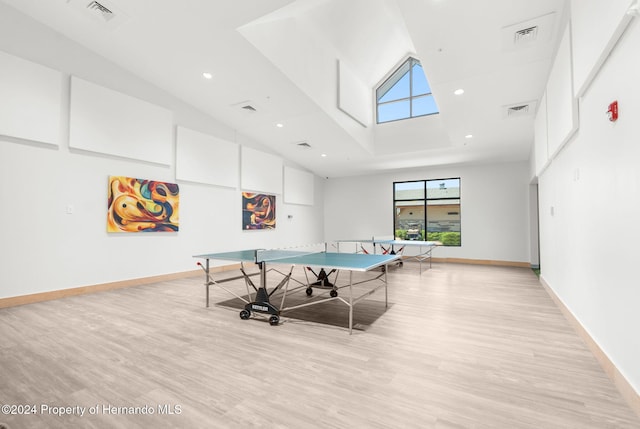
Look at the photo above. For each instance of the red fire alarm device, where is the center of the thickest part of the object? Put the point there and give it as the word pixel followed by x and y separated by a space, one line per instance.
pixel 612 112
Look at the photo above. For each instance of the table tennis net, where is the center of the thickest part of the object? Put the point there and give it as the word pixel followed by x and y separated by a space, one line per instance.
pixel 273 255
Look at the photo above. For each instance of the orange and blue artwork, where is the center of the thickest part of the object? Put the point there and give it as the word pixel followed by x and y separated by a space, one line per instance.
pixel 140 205
pixel 258 211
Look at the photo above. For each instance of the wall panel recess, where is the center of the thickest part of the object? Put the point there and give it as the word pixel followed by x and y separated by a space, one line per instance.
pixel 541 156
pixel 596 27
pixel 30 100
pixel 298 187
pixel 562 106
pixel 203 158
pixel 261 171
pixel 106 121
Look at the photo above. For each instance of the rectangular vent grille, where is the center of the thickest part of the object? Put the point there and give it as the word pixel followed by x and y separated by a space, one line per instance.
pixel 518 110
pixel 105 12
pixel 526 35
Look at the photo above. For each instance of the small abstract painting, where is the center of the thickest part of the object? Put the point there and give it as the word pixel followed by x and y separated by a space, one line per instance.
pixel 140 205
pixel 258 211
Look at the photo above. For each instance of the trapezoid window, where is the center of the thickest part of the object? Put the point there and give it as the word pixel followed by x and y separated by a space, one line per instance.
pixel 405 94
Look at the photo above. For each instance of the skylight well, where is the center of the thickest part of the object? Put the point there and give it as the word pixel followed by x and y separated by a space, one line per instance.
pixel 405 94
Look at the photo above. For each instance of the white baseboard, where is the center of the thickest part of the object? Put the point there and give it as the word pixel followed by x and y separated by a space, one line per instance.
pixel 624 387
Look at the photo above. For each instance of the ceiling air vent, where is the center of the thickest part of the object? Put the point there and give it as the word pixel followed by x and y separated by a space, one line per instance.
pixel 247 106
pixel 102 10
pixel 520 109
pixel 526 35
pixel 303 145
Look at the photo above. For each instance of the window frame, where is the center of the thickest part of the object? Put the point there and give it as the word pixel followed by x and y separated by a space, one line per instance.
pixel 410 99
pixel 425 199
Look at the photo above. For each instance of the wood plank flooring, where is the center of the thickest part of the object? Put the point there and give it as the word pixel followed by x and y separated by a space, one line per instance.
pixel 460 346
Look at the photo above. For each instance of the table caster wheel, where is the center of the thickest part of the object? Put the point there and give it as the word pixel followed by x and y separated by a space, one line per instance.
pixel 274 320
pixel 245 314
pixel 309 291
pixel 333 293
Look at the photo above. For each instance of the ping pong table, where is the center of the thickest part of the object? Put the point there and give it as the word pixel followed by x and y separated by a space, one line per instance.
pixel 396 247
pixel 259 301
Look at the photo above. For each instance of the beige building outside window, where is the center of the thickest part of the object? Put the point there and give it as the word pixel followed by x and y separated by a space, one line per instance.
pixel 428 210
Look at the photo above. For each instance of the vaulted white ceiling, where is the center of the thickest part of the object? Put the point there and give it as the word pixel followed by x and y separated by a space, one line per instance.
pixel 283 57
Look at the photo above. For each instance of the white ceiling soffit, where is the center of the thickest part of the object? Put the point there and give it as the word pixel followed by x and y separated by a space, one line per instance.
pixel 305 39
pixel 369 34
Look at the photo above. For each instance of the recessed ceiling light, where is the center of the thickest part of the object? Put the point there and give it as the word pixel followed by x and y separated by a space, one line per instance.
pixel 324 155
pixel 459 91
pixel 207 75
pixel 279 125
pixel 468 136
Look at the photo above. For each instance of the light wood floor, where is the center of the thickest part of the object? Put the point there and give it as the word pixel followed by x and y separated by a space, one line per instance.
pixel 460 346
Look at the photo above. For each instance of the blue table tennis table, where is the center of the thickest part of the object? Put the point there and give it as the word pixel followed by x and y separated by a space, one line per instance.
pixel 396 247
pixel 259 301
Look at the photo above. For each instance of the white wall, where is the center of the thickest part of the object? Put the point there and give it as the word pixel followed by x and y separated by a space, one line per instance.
pixel 494 212
pixel 42 248
pixel 589 244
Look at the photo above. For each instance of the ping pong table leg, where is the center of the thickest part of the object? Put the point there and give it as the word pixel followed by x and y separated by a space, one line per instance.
pixel 385 286
pixel 207 282
pixel 350 301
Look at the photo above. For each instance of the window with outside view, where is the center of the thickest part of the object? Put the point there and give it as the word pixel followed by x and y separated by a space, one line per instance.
pixel 428 210
pixel 405 94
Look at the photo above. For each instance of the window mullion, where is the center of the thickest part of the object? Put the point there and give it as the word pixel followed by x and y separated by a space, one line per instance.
pixel 411 89
pixel 426 225
pixel 394 101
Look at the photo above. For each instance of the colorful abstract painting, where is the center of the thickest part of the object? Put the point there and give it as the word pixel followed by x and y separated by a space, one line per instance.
pixel 258 211
pixel 140 205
